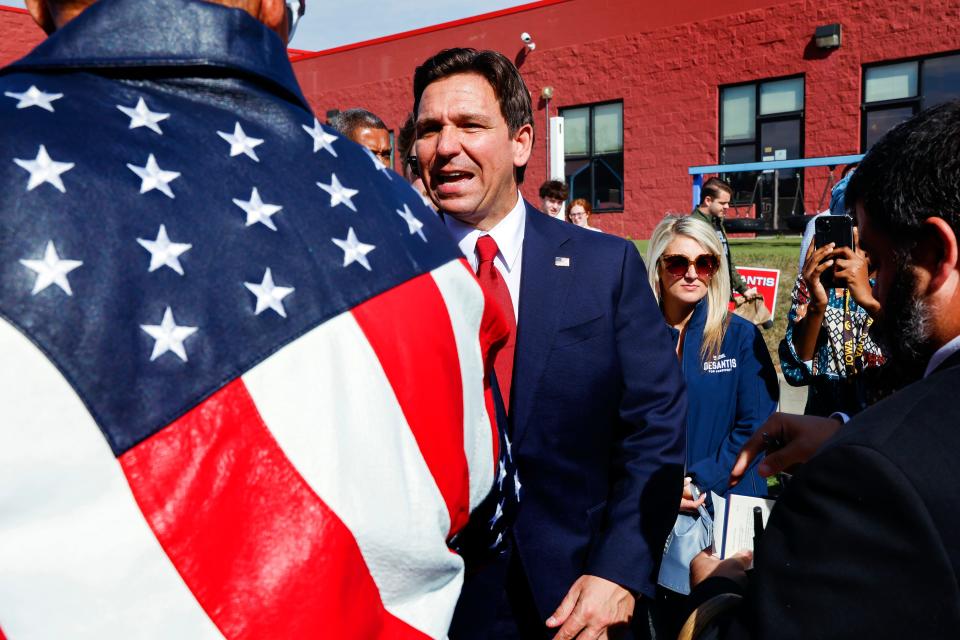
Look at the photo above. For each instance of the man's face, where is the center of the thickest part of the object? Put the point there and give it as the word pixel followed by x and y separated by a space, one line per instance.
pixel 718 206
pixel 882 260
pixel 551 206
pixel 903 329
pixel 377 140
pixel 466 152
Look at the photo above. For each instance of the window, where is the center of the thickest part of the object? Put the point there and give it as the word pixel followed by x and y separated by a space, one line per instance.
pixel 393 154
pixel 897 91
pixel 593 154
pixel 763 121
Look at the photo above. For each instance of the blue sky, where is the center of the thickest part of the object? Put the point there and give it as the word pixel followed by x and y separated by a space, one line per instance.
pixel 331 23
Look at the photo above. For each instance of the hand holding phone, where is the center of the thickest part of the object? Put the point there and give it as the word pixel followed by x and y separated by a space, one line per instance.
pixel 852 270
pixel 817 261
pixel 836 230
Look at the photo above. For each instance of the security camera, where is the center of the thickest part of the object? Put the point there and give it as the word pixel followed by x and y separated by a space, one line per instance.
pixel 527 39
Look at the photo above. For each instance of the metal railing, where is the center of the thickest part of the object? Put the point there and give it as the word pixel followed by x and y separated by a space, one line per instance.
pixel 766 167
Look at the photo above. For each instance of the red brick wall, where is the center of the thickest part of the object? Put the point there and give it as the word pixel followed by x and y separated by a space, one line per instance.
pixel 18 34
pixel 665 64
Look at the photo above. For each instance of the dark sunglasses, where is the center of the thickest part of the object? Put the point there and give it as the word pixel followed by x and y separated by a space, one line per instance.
pixel 414 165
pixel 677 265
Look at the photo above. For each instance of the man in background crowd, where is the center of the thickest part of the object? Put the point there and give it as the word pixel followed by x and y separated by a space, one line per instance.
pixel 407 153
pixel 715 198
pixel 600 461
pixel 367 130
pixel 553 195
pixel 204 346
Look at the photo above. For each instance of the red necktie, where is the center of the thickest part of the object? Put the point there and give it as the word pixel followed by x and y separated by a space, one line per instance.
pixel 495 287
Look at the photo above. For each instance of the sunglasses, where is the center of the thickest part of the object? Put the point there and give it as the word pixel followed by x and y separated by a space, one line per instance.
pixel 414 165
pixel 678 265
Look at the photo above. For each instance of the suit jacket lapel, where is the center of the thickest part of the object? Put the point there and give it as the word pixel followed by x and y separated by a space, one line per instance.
pixel 543 291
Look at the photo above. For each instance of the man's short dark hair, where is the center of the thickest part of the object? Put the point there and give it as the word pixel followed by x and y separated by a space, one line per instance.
pixel 346 122
pixel 911 174
pixel 713 187
pixel 503 76
pixel 554 189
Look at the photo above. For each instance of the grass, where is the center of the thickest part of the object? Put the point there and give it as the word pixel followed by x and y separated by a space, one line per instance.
pixel 780 252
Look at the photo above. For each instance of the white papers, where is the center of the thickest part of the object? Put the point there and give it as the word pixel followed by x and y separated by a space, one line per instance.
pixel 733 528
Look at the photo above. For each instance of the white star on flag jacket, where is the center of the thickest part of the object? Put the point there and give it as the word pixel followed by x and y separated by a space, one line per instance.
pixel 243 367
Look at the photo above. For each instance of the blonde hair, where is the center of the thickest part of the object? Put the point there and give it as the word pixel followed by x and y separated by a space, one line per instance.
pixel 718 289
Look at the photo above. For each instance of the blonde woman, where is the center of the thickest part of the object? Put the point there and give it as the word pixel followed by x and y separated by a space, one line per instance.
pixel 731 383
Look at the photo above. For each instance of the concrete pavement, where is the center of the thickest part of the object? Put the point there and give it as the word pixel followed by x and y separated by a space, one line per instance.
pixel 792 399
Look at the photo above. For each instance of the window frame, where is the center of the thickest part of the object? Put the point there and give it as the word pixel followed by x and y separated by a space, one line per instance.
pixel 759 119
pixel 915 102
pixel 393 152
pixel 590 157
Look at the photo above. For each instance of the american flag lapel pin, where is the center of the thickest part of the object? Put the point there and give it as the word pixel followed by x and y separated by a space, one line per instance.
pixel 561 261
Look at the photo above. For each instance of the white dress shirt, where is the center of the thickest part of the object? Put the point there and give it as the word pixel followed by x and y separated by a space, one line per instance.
pixel 942 354
pixel 508 234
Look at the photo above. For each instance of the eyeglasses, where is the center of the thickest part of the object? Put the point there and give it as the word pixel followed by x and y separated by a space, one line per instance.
pixel 414 165
pixel 678 265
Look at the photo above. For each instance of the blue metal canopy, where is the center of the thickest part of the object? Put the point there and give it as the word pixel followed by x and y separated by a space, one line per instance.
pixel 830 161
pixel 771 165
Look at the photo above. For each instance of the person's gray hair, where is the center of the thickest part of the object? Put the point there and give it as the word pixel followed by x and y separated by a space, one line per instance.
pixel 346 122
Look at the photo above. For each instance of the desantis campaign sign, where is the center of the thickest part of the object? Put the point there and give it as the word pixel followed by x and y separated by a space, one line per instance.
pixel 765 281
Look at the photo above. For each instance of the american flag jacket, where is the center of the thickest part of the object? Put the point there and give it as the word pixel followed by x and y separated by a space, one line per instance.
pixel 241 365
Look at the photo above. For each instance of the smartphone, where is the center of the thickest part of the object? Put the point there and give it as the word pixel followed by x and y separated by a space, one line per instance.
pixel 839 231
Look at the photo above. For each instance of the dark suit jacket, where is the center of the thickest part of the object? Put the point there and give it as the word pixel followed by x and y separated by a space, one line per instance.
pixel 864 543
pixel 598 414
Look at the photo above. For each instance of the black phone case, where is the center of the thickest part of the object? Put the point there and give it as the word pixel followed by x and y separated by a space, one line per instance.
pixel 839 231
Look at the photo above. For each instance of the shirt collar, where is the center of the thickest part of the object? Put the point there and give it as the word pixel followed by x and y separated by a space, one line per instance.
pixel 941 355
pixel 508 234
pixel 708 217
pixel 112 34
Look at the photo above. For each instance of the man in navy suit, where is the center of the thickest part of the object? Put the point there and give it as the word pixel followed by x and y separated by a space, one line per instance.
pixel 594 396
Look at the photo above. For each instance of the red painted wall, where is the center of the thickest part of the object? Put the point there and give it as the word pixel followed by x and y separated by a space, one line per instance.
pixel 18 34
pixel 665 62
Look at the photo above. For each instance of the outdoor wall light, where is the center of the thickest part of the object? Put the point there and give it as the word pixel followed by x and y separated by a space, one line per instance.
pixel 827 36
pixel 546 93
pixel 527 39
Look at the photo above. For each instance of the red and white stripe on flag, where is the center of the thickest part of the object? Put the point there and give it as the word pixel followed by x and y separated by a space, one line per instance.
pixel 312 497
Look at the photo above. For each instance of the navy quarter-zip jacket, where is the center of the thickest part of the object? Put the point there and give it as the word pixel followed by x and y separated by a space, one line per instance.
pixel 729 396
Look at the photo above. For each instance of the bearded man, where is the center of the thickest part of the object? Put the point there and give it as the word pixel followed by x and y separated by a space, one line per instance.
pixel 862 544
